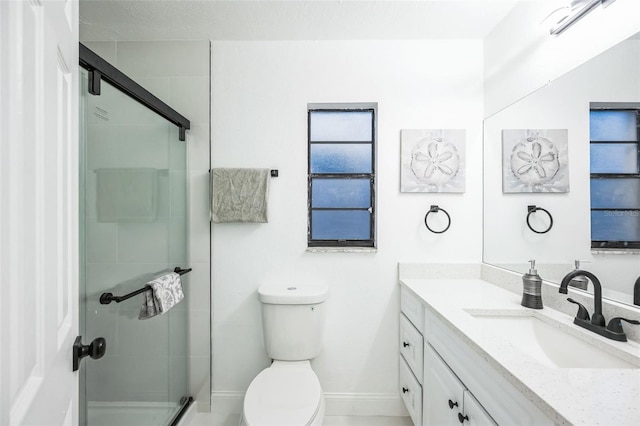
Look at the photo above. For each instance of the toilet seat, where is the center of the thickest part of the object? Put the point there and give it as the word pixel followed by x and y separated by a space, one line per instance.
pixel 285 394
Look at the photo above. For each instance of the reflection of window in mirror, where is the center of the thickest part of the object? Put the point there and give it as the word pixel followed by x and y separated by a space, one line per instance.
pixel 615 175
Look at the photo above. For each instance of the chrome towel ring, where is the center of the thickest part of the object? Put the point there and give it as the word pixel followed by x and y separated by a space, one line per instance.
pixel 436 209
pixel 533 209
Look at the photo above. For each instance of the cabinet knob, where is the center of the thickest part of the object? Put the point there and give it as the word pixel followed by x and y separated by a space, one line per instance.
pixel 405 390
pixel 452 404
pixel 405 344
pixel 462 418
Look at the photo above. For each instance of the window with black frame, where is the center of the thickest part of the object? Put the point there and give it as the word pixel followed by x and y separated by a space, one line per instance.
pixel 341 178
pixel 615 176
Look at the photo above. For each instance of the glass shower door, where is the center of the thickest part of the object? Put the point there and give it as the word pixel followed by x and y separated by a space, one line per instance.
pixel 134 219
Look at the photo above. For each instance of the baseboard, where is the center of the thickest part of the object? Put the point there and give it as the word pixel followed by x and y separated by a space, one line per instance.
pixel 364 404
pixel 337 404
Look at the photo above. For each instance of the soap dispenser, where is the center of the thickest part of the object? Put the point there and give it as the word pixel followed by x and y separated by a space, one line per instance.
pixel 580 281
pixel 532 288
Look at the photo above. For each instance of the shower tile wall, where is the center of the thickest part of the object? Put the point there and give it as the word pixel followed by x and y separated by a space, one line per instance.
pixel 178 74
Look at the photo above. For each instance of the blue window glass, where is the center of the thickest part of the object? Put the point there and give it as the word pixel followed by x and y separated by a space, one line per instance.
pixel 621 193
pixel 614 158
pixel 615 179
pixel 341 175
pixel 341 126
pixel 340 158
pixel 354 193
pixel 341 225
pixel 613 125
pixel 614 225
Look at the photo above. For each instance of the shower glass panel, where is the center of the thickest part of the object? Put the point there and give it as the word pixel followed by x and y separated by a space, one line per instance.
pixel 134 220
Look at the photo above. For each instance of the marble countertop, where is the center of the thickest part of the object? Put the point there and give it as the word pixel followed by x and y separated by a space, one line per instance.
pixel 579 396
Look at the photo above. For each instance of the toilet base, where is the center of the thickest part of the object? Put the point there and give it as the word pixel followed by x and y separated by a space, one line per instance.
pixel 318 420
pixel 290 385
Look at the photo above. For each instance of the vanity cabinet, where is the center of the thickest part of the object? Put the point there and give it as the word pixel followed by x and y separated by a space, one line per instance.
pixel 504 404
pixel 444 382
pixel 411 346
pixel 446 400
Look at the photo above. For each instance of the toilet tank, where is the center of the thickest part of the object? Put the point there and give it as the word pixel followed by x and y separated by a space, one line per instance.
pixel 293 320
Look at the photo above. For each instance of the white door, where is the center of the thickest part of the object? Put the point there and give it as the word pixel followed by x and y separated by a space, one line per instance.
pixel 38 211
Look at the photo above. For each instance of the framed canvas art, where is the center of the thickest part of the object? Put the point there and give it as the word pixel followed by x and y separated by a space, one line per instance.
pixel 535 160
pixel 432 160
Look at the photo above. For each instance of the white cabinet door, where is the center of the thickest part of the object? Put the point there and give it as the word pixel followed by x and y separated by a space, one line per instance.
pixel 411 392
pixel 38 211
pixel 411 346
pixel 443 392
pixel 474 414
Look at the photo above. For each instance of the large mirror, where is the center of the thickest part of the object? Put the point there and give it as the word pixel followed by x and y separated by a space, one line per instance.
pixel 557 114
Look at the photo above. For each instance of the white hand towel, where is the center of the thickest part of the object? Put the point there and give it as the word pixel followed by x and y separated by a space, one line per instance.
pixel 163 294
pixel 239 195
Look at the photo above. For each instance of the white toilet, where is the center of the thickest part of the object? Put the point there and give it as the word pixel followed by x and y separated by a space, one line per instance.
pixel 288 393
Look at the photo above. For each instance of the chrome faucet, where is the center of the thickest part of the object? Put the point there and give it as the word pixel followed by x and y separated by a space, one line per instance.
pixel 597 322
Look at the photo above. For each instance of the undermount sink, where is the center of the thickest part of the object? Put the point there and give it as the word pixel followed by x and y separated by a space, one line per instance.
pixel 546 342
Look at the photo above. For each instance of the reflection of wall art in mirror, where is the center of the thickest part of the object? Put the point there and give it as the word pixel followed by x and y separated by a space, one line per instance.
pixel 535 160
pixel 432 160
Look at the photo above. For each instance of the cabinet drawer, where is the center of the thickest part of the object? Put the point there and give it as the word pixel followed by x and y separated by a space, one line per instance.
pixel 413 308
pixel 411 346
pixel 411 393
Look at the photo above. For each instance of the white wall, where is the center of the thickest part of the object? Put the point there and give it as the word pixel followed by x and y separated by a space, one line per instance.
pixel 521 56
pixel 611 77
pixel 260 92
pixel 177 73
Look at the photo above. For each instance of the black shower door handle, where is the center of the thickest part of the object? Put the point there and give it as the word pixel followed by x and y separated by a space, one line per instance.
pixel 95 350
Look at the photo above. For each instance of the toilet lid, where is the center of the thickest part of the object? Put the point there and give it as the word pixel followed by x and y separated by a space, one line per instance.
pixel 283 396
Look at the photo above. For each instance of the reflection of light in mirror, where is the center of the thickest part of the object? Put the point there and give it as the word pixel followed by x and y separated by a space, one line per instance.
pixel 573 12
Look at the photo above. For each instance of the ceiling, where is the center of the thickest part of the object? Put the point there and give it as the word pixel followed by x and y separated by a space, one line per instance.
pixel 116 20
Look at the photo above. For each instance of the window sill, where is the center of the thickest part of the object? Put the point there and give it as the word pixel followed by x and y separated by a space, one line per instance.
pixel 341 250
pixel 615 251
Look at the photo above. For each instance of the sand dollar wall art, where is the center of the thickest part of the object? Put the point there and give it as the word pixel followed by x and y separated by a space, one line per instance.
pixel 535 160
pixel 432 160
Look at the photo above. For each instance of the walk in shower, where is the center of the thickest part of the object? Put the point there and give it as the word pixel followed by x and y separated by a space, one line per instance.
pixel 133 228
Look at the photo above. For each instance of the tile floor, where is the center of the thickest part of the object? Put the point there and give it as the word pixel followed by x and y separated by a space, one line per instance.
pixel 209 419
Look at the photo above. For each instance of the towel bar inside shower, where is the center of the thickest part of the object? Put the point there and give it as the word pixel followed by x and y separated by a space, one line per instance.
pixel 106 298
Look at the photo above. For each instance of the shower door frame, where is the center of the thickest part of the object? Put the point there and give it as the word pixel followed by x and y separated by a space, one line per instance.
pixel 98 70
